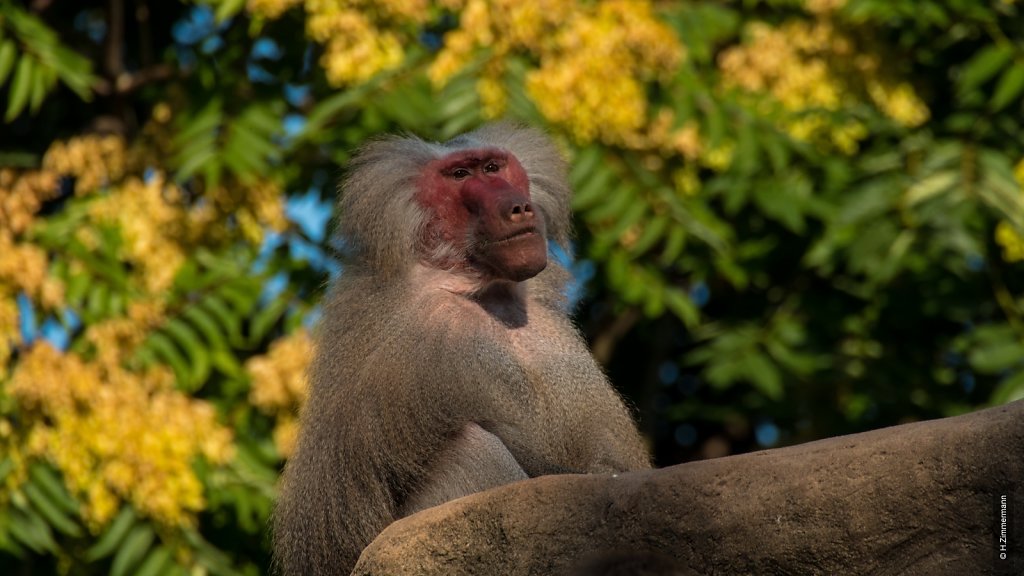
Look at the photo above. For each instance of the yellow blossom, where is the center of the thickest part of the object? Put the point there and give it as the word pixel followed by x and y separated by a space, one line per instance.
pixel 116 339
pixel 355 46
pixel 15 453
pixel 686 180
pixel 788 62
pixel 151 224
pixel 720 157
pixel 401 10
pixel 1011 242
pixel 592 78
pixel 94 161
pixel 24 268
pixel 286 434
pixel 253 205
pixel 824 6
pixel 22 194
pixel 492 95
pixel 162 113
pixel 812 69
pixel 686 141
pixel 279 376
pixel 10 333
pixel 262 205
pixel 661 134
pixel 595 59
pixel 270 9
pixel 118 436
pixel 39 386
pixel 899 102
pixel 279 384
pixel 455 56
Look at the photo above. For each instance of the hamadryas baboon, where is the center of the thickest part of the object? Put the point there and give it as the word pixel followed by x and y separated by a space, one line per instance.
pixel 446 361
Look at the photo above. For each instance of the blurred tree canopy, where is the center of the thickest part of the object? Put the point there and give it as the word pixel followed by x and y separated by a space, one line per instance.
pixel 795 219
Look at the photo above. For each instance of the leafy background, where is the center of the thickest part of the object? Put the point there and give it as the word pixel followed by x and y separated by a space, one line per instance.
pixel 796 219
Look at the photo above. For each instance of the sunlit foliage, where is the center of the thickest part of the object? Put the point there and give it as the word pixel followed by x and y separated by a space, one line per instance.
pixel 795 219
pixel 279 384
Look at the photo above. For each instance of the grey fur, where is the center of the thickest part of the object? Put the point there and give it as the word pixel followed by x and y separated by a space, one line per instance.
pixel 422 376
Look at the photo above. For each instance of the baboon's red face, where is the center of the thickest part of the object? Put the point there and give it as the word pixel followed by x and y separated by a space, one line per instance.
pixel 480 201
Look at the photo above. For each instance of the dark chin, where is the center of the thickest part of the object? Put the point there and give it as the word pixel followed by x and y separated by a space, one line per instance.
pixel 521 273
pixel 518 259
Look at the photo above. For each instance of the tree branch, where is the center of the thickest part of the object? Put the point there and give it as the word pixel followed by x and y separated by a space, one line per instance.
pixel 127 82
pixel 920 498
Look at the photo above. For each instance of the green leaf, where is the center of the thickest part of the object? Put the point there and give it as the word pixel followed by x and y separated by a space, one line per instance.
pixel 586 161
pixel 619 199
pixel 257 467
pixel 170 354
pixel 242 297
pixel 715 122
pixel 732 272
pixel 618 269
pixel 630 216
pixel 996 357
pixel 7 542
pixel 462 99
pixel 674 244
pixel 77 287
pixel 802 364
pixel 322 113
pixel 209 556
pixel 993 334
pixel 21 85
pixel 49 510
pixel 6 467
pixel 459 124
pixel 238 157
pixel 40 80
pixel 654 303
pixel 870 201
pixel 114 535
pixel 228 319
pixel 97 303
pixel 194 159
pixel 763 374
pixel 257 143
pixel 778 202
pixel 593 187
pixel 132 550
pixel 204 122
pixel 157 563
pixel 268 317
pixel 930 186
pixel 984 65
pixel 75 71
pixel 1009 390
pixel 226 362
pixel 227 9
pixel 682 306
pixel 44 477
pixel 8 55
pixel 747 155
pixel 198 356
pixel 778 152
pixel 652 232
pixel 1009 88
pixel 201 319
pixel 29 529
